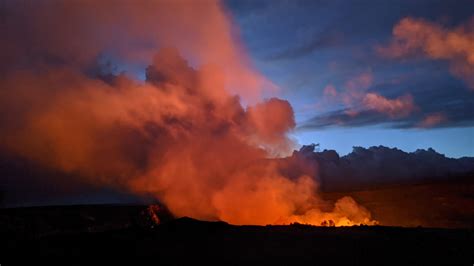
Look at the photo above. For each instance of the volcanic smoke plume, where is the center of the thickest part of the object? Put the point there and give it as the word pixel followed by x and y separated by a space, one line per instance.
pixel 181 135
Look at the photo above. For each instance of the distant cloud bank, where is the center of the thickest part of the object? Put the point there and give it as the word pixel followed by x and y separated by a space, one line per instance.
pixel 366 168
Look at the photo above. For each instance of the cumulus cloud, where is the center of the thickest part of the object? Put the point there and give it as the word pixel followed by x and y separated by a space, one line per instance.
pixel 399 107
pixel 418 36
pixel 432 120
pixel 358 100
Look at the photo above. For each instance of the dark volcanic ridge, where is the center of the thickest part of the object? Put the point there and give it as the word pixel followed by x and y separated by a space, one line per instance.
pixel 186 240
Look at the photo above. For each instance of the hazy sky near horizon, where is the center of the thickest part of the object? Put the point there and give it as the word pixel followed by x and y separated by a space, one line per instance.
pixel 328 59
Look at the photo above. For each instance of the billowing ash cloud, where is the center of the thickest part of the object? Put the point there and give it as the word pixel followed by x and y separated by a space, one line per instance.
pixel 378 166
pixel 77 33
pixel 182 135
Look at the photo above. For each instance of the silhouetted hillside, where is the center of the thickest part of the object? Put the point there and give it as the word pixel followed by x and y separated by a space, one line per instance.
pixel 187 241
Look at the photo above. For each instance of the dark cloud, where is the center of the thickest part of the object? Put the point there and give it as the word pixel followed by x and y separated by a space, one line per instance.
pixel 344 119
pixel 380 166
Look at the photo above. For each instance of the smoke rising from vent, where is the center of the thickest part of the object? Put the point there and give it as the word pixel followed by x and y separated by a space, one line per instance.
pixel 182 135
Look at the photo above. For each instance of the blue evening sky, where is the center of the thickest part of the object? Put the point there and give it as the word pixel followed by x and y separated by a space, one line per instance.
pixel 304 46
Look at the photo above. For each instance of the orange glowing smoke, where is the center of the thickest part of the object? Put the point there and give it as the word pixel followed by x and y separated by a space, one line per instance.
pixel 182 136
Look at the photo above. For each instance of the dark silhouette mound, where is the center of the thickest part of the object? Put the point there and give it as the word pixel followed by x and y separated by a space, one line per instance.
pixel 28 234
